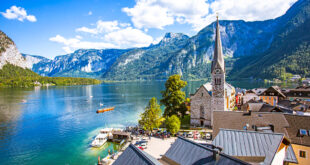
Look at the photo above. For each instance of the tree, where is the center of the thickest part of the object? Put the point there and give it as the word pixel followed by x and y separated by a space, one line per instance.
pixel 152 116
pixel 173 124
pixel 174 97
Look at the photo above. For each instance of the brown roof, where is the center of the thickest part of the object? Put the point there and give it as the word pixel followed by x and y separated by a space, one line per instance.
pixel 297 122
pixel 298 93
pixel 288 124
pixel 273 89
pixel 238 119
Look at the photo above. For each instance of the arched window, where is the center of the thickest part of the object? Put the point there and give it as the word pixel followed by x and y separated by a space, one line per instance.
pixel 217 81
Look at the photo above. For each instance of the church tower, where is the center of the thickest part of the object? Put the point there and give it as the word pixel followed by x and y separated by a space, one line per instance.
pixel 218 74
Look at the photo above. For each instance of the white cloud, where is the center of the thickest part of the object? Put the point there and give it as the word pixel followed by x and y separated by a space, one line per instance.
pixel 101 27
pixel 199 13
pixel 18 13
pixel 112 35
pixel 72 44
pixel 90 13
pixel 129 37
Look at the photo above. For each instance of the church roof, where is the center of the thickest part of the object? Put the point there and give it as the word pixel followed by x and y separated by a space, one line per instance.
pixel 218 58
pixel 228 87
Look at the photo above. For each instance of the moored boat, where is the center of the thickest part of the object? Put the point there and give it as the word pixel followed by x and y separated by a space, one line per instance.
pixel 105 110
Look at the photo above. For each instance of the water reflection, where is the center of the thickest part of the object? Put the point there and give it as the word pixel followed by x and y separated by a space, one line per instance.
pixel 56 124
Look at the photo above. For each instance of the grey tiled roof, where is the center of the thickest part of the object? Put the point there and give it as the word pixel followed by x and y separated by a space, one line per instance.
pixel 133 156
pixel 187 152
pixel 251 144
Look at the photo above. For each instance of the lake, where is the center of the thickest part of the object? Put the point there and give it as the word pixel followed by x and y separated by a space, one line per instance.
pixel 56 125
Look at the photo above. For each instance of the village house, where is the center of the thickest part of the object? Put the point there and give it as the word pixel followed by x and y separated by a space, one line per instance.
pixel 256 147
pixel 272 95
pixel 217 95
pixel 295 128
pixel 300 93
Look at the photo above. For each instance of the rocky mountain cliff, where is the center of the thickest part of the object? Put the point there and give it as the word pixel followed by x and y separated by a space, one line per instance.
pixel 9 53
pixel 260 49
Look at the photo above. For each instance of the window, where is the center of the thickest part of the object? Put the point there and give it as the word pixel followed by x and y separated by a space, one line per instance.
pixel 217 81
pixel 302 154
pixel 303 132
pixel 202 113
pixel 201 94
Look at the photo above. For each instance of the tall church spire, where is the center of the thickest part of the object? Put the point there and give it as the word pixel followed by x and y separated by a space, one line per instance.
pixel 218 58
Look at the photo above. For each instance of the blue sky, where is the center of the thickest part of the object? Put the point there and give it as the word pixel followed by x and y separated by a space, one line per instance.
pixel 54 27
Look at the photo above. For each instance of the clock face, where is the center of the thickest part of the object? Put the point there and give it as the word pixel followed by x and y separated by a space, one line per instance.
pixel 217 71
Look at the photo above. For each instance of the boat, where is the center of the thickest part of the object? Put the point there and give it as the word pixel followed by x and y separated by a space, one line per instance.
pixel 105 110
pixel 99 140
pixel 102 137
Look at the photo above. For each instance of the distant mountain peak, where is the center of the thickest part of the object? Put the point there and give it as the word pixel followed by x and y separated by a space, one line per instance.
pixel 172 37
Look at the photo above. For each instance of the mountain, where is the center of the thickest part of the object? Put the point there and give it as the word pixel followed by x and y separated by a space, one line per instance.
pixel 191 57
pixel 81 63
pixel 259 49
pixel 9 53
pixel 15 72
pixel 289 52
pixel 275 48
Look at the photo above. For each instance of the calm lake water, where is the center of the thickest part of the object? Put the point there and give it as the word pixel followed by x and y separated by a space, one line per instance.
pixel 56 124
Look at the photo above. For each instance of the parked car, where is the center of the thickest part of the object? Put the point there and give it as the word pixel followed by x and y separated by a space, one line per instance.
pixel 190 135
pixel 208 136
pixel 143 145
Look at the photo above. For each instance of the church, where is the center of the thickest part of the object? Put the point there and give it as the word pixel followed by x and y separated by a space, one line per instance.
pixel 215 96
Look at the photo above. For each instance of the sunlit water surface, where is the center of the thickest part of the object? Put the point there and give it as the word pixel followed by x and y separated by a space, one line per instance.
pixel 55 125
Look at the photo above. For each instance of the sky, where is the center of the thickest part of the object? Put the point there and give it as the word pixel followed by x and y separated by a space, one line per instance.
pixel 56 27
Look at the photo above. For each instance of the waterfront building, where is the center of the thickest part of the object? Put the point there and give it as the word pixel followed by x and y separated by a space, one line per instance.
pixel 215 95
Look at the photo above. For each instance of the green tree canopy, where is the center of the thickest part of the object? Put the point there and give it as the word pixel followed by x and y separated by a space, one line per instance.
pixel 151 118
pixel 173 124
pixel 174 97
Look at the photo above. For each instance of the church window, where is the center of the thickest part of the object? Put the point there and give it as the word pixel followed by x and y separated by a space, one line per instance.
pixel 217 81
pixel 202 113
pixel 201 94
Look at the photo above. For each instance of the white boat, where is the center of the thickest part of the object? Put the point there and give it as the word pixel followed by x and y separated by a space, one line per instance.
pixel 101 138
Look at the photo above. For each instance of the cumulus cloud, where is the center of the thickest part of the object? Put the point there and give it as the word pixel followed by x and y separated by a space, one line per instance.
pixel 101 27
pixel 112 34
pixel 90 13
pixel 72 44
pixel 129 37
pixel 18 13
pixel 199 13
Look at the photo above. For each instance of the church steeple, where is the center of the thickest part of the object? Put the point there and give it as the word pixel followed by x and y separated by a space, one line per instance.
pixel 218 58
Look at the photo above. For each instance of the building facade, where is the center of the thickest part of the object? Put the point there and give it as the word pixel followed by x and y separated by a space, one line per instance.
pixel 217 95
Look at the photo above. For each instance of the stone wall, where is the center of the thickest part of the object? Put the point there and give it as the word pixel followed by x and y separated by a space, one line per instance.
pixel 201 100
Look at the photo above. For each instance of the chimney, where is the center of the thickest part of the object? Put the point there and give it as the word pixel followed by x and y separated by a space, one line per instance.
pixel 216 152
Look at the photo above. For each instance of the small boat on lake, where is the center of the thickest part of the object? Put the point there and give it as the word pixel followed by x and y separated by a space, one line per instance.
pixel 105 110
pixel 102 137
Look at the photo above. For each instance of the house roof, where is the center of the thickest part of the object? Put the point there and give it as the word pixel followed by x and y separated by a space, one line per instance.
pixel 297 122
pixel 258 91
pixel 251 144
pixel 239 119
pixel 134 155
pixel 298 93
pixel 187 152
pixel 273 89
